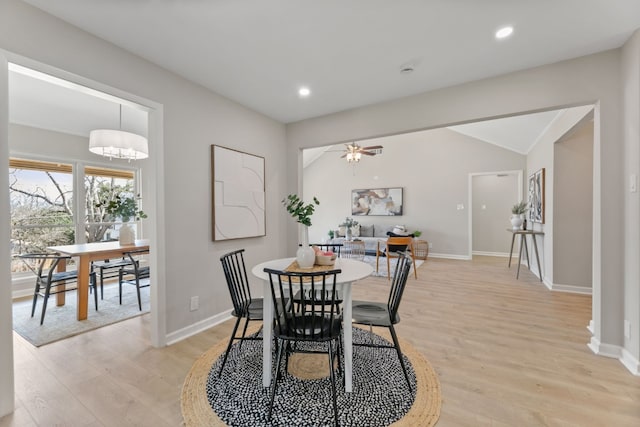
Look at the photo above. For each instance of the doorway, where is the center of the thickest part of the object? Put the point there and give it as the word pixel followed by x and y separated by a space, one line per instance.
pixel 491 196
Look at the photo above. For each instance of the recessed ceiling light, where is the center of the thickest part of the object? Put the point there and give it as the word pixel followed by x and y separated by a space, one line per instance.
pixel 304 92
pixel 504 32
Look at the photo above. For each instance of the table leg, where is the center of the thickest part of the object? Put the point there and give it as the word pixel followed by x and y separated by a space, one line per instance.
pixel 60 297
pixel 513 239
pixel 535 247
pixel 520 256
pixel 267 338
pixel 526 250
pixel 348 338
pixel 83 286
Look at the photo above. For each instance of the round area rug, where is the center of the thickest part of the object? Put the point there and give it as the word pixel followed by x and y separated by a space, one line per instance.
pixel 380 397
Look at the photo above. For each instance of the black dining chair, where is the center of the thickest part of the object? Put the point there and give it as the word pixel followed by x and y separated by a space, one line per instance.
pixel 107 269
pixel 386 314
pixel 244 305
pixel 49 281
pixel 134 274
pixel 316 321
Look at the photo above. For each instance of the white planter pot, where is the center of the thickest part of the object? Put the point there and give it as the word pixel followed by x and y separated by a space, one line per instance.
pixel 305 256
pixel 516 221
pixel 127 234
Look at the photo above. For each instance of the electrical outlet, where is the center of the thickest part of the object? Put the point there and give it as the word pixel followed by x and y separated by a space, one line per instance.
pixel 633 183
pixel 195 303
pixel 627 329
pixel 460 207
pixel 430 245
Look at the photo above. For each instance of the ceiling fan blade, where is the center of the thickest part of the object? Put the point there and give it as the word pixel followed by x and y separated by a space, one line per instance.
pixel 343 156
pixel 373 147
pixel 368 153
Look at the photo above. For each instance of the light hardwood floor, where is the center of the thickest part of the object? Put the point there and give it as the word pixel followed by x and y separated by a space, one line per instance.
pixel 508 353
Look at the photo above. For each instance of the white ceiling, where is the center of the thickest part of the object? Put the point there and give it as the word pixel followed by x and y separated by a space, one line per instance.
pixel 348 53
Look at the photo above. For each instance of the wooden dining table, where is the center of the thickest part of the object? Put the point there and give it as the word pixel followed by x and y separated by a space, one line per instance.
pixel 352 270
pixel 87 252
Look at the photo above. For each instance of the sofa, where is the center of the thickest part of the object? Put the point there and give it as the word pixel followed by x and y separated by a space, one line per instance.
pixel 370 234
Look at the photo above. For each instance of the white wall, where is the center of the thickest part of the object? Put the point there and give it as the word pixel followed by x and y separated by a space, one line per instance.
pixel 194 118
pixel 7 399
pixel 432 167
pixel 593 79
pixel 631 102
pixel 572 209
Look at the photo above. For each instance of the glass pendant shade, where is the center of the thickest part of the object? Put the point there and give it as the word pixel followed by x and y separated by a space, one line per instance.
pixel 118 144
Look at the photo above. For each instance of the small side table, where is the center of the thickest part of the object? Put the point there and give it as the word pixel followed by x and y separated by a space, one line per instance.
pixel 523 244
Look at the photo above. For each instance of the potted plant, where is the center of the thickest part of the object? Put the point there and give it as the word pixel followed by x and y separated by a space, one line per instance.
pixel 331 234
pixel 517 218
pixel 302 212
pixel 125 207
pixel 348 223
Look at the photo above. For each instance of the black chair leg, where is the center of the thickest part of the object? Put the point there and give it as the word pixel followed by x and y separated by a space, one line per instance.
pixel 44 303
pixel 35 299
pixel 333 383
pixel 95 290
pixel 275 380
pixel 138 291
pixel 397 346
pixel 226 353
pixel 244 331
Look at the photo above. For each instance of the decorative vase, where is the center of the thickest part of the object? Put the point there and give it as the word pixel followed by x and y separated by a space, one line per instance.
pixel 347 233
pixel 305 256
pixel 127 235
pixel 516 221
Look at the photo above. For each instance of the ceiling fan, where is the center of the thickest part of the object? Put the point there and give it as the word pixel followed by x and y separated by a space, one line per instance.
pixel 353 152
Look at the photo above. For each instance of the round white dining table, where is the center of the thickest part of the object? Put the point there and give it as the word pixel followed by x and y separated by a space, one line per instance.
pixel 352 270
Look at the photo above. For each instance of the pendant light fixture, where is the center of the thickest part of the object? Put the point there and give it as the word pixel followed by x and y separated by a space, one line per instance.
pixel 118 143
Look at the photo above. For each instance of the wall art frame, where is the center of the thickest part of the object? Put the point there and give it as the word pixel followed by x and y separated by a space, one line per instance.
pixel 238 194
pixel 377 202
pixel 536 197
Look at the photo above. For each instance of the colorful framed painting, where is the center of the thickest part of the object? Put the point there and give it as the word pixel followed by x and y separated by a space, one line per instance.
pixel 536 197
pixel 377 202
pixel 238 194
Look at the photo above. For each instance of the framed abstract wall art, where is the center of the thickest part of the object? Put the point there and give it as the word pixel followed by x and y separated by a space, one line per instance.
pixel 377 201
pixel 238 194
pixel 536 197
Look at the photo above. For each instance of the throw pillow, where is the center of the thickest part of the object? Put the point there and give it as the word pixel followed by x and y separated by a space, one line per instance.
pixel 342 231
pixel 355 231
pixel 366 230
pixel 380 231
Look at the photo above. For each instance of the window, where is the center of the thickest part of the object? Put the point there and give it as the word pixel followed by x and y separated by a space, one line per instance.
pixel 102 184
pixel 43 208
pixel 41 199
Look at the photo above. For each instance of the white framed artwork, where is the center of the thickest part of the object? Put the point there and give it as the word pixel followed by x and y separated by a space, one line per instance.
pixel 238 199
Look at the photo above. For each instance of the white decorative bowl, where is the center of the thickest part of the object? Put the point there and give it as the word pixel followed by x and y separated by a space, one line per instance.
pixel 326 259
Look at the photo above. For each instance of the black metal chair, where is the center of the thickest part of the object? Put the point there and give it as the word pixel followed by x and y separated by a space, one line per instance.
pixel 244 305
pixel 316 321
pixel 141 275
pixel 107 269
pixel 386 314
pixel 333 247
pixel 48 281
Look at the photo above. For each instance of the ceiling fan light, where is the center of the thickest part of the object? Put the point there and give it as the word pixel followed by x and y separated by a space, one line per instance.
pixel 119 144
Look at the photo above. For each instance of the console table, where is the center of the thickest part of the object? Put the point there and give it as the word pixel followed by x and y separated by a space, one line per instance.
pixel 523 244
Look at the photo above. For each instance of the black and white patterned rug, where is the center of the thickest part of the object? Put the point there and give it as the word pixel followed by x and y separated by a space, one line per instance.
pixel 380 394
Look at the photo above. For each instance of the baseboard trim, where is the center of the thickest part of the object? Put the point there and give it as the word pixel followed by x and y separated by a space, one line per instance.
pixel 496 254
pixel 450 256
pixel 606 350
pixel 197 327
pixel 630 362
pixel 590 327
pixel 571 289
